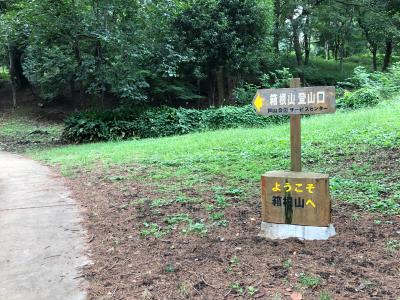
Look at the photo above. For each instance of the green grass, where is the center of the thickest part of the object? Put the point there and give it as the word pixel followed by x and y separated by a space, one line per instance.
pixel 20 126
pixel 327 72
pixel 20 131
pixel 309 281
pixel 347 145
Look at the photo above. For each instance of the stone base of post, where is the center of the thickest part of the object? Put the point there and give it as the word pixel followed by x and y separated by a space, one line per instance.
pixel 285 231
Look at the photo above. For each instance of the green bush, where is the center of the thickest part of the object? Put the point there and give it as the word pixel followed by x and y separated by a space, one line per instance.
pixel 168 121
pixel 359 98
pixel 362 89
pixel 158 122
pixel 244 93
pixel 365 88
pixel 80 128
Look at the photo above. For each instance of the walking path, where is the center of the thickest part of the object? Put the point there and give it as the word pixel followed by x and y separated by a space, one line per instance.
pixel 41 240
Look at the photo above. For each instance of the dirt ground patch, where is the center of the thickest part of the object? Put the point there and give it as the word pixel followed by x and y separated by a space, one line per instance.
pixel 361 262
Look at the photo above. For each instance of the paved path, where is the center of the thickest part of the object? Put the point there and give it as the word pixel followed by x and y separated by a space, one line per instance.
pixel 41 240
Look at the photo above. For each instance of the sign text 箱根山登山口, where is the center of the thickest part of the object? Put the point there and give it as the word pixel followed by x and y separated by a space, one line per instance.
pixel 295 101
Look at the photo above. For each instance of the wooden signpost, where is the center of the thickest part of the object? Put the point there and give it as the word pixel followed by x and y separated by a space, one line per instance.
pixel 291 199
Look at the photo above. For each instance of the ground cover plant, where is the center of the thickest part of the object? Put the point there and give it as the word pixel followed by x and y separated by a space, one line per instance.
pixel 20 131
pixel 171 196
pixel 361 89
pixel 178 217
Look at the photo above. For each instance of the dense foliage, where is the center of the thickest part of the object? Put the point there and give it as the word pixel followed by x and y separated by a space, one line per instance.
pixel 157 122
pixel 362 89
pixel 184 52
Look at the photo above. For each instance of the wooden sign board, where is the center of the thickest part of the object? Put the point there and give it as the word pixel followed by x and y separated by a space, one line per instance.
pixel 296 101
pixel 296 198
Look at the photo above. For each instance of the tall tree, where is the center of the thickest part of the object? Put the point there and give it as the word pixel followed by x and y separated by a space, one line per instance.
pixel 226 38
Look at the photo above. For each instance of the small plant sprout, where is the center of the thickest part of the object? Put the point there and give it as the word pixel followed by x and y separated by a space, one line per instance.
pixel 355 217
pixel 183 289
pixel 234 261
pixel 169 268
pixel 237 288
pixel 251 291
pixel 178 218
pixel 223 223
pixel 209 207
pixel 325 296
pixel 217 216
pixel 152 229
pixel 221 201
pixel 287 264
pixel 309 280
pixel 234 192
pixel 393 246
pixel 198 228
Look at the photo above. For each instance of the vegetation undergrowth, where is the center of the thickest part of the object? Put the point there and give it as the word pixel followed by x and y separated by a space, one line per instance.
pixel 18 132
pixel 361 89
pixel 359 149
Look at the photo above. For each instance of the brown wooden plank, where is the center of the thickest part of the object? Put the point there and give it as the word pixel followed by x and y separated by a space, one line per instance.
pixel 275 189
pixel 295 101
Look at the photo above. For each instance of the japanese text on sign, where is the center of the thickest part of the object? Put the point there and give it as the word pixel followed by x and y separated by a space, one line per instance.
pixel 287 201
pixel 311 100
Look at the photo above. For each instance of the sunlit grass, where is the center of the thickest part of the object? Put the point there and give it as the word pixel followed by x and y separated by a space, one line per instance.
pixel 240 156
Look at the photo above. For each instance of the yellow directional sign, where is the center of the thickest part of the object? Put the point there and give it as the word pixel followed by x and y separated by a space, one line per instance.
pixel 258 102
pixel 295 101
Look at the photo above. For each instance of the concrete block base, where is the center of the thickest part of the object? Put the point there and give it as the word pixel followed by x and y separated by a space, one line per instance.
pixel 284 231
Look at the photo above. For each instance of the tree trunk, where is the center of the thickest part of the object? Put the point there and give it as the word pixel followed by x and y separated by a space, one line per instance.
pixel 326 49
pixel 211 90
pixel 296 44
pixel 231 86
pixel 307 41
pixel 220 85
pixel 374 51
pixel 12 77
pixel 336 50
pixel 341 56
pixel 388 55
pixel 306 49
pixel 277 10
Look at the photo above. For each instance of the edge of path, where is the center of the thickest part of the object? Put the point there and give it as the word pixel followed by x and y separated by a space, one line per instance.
pixel 42 241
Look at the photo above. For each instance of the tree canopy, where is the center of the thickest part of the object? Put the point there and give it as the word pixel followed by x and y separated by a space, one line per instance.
pixel 182 52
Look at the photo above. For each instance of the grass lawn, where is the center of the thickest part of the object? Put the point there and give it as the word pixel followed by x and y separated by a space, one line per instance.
pixel 19 131
pixel 347 145
pixel 178 217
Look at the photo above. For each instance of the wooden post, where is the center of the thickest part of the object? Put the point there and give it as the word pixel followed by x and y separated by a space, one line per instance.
pixel 295 134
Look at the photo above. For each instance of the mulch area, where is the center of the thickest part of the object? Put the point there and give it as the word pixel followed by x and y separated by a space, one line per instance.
pixel 355 264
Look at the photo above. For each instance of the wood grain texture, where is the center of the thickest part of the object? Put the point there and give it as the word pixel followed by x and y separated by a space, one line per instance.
pixel 268 102
pixel 290 211
pixel 295 134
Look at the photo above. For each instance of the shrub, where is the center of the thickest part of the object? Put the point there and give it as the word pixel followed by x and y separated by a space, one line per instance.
pixel 244 93
pixel 168 121
pixel 157 122
pixel 80 128
pixel 359 98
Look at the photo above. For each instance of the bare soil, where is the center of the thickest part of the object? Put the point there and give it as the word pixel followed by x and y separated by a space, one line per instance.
pixel 355 264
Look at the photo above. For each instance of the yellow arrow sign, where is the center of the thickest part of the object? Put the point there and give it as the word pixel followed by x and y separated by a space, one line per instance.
pixel 310 202
pixel 258 102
